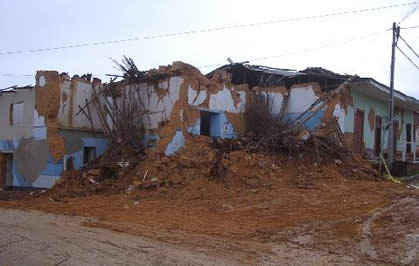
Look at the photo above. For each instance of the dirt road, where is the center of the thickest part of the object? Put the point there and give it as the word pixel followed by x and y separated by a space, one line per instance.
pixel 388 236
pixel 35 238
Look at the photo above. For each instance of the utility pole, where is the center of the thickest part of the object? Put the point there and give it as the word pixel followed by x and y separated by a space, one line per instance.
pixel 391 144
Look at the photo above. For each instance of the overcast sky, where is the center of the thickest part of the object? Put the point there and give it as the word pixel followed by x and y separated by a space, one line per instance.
pixel 26 25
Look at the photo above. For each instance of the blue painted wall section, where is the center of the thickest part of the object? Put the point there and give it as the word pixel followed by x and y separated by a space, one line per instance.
pixel 177 142
pixel 312 123
pixel 215 125
pixel 196 128
pixel 226 128
pixel 53 169
pixel 99 143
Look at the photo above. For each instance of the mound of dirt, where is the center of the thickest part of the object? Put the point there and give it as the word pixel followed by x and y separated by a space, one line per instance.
pixel 196 167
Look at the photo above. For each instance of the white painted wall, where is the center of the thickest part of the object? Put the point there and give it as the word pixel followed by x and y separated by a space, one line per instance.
pixel 339 113
pixel 276 98
pixel 195 98
pixel 83 91
pixel 160 107
pixel 223 101
pixel 300 99
pixel 67 115
pixel 23 129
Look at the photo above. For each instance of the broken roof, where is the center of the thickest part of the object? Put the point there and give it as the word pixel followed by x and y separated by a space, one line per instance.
pixel 263 76
pixel 12 89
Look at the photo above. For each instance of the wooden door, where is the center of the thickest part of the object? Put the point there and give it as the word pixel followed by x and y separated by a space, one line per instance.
pixel 6 168
pixel 378 136
pixel 358 131
pixel 395 137
pixel 408 138
pixel 3 170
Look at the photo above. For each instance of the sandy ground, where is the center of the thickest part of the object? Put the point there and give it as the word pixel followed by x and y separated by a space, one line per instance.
pixel 328 223
pixel 35 238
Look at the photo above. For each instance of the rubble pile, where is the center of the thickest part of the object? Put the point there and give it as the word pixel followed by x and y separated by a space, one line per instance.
pixel 235 168
pixel 196 163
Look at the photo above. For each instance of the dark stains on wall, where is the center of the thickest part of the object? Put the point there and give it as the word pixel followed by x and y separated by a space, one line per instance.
pixel 73 141
pixel 31 158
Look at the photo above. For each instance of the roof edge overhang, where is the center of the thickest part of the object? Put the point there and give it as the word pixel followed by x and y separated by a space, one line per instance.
pixel 382 92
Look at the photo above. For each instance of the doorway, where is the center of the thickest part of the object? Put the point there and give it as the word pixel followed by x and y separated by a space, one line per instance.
pixel 89 154
pixel 358 131
pixel 395 137
pixel 205 123
pixel 6 169
pixel 210 124
pixel 408 138
pixel 378 132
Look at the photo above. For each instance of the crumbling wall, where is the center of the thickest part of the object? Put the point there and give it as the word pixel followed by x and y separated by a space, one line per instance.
pixel 175 103
pixel 276 95
pixel 75 92
pixel 48 99
pixel 301 97
pixel 58 99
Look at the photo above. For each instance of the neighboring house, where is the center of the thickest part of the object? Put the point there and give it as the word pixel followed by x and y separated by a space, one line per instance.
pixel 40 134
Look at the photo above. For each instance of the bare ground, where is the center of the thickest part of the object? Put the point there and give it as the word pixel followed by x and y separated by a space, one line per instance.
pixel 325 223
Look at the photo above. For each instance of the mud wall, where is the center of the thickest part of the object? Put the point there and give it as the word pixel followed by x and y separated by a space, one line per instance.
pixel 50 130
pixel 175 104
pixel 58 99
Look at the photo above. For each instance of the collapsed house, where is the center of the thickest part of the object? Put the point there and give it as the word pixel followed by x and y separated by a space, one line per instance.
pixel 65 119
pixel 361 107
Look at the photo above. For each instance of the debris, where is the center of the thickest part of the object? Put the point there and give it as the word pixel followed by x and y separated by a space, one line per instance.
pixel 145 175
pixel 123 164
pixel 184 161
pixel 92 181
pixel 94 172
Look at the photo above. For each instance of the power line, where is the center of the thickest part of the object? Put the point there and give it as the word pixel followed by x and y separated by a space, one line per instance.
pixel 417 55
pixel 13 75
pixel 408 15
pixel 407 57
pixel 411 27
pixel 296 52
pixel 211 29
pixel 369 35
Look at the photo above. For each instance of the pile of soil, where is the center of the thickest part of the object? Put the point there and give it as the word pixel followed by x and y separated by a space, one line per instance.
pixel 192 168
